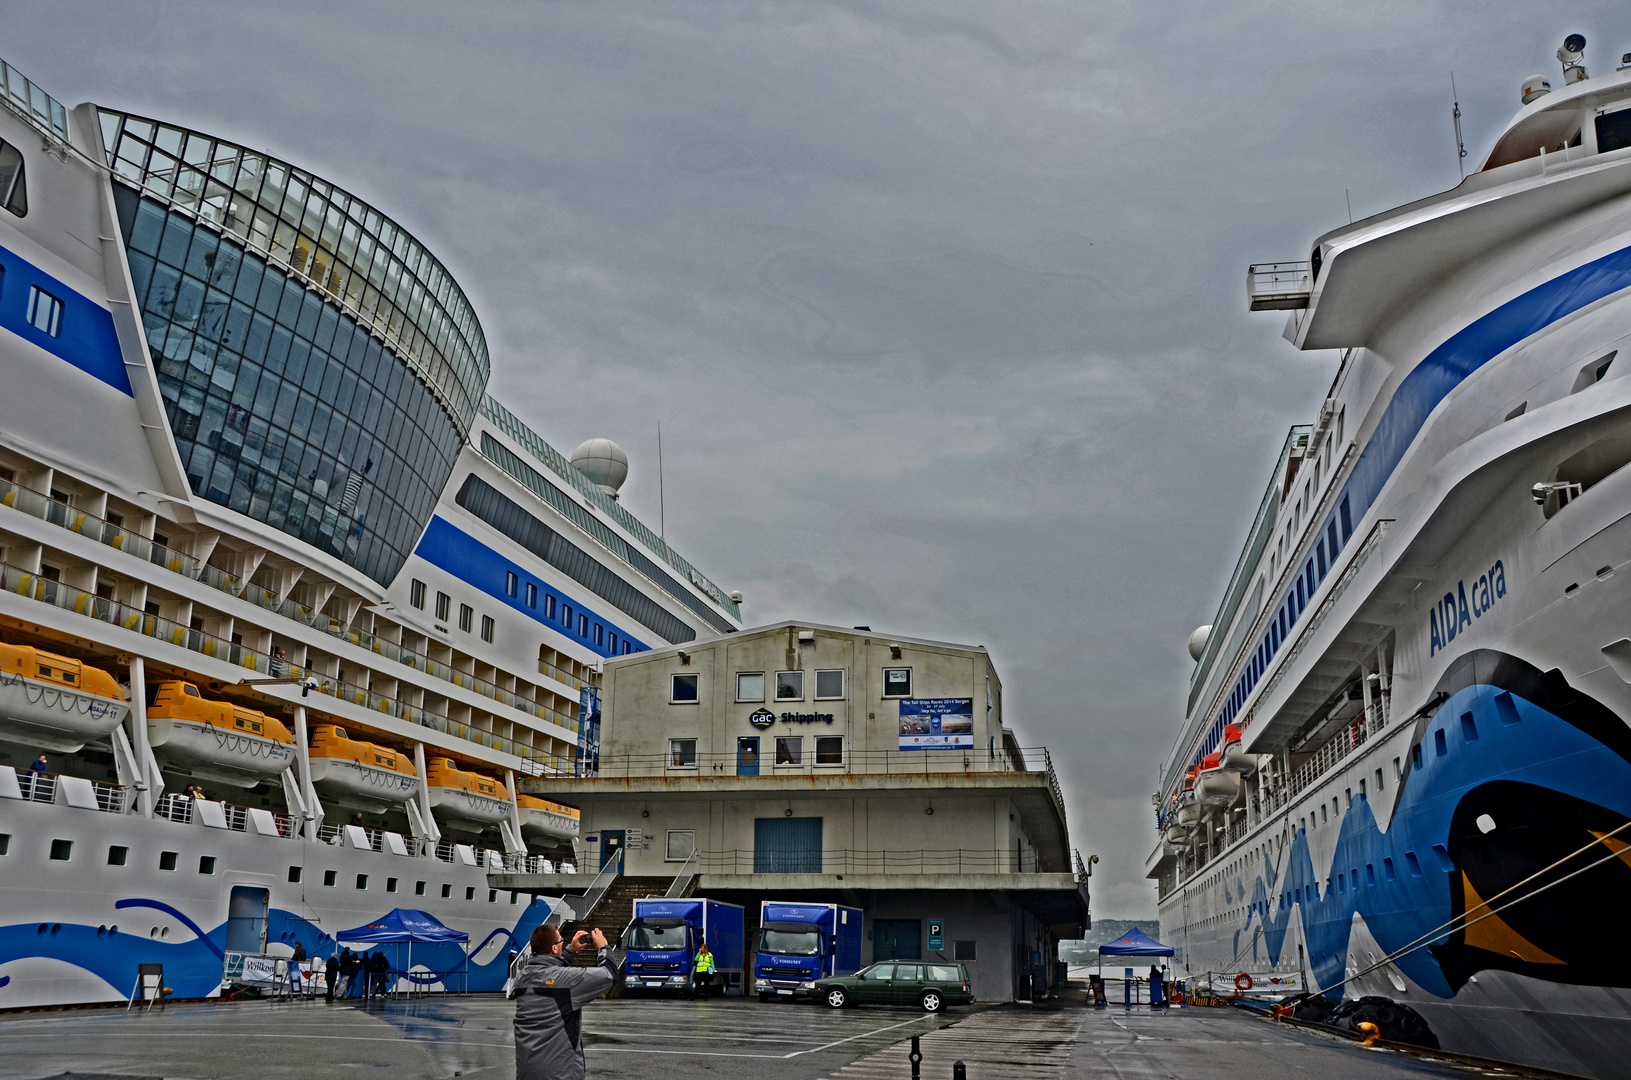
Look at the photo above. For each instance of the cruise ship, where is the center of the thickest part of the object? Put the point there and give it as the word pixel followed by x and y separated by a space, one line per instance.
pixel 1404 778
pixel 288 603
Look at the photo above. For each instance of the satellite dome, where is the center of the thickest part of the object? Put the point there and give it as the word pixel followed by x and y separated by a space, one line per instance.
pixel 1198 640
pixel 603 462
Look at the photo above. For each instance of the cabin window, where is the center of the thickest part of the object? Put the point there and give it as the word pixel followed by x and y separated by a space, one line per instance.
pixel 1613 133
pixel 470 893
pixel 466 615
pixel 390 884
pixel 294 874
pixel 532 595
pixel 190 690
pixel 447 891
pixel 362 881
pixel 487 628
pixel 14 185
pixel 416 594
pixel 600 635
pixel 583 626
pixel 167 860
pixel 206 864
pixel 331 878
pixel 512 583
pixel 444 604
pixel 419 888
pixel 44 311
pixel 62 850
pixel 549 607
pixel 117 855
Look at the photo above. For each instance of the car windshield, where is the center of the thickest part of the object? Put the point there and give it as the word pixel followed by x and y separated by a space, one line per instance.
pixel 790 942
pixel 645 937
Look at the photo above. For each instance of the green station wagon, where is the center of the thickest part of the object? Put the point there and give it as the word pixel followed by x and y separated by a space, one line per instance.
pixel 931 987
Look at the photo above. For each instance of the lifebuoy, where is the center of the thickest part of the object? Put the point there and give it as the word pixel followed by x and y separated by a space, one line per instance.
pixel 1243 981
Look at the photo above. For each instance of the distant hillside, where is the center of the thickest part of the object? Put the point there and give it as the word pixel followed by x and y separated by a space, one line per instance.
pixel 1105 930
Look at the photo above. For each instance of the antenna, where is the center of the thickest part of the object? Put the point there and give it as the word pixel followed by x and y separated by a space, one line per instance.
pixel 1460 146
pixel 662 530
pixel 1349 200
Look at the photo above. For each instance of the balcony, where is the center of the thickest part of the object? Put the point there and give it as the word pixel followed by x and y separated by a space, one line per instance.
pixel 1281 286
pixel 40 506
pixel 57 594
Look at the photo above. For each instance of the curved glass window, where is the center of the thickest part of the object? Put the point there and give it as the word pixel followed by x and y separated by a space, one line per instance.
pixel 283 407
pixel 323 238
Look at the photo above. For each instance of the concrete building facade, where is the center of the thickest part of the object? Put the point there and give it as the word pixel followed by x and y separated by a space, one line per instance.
pixel 809 762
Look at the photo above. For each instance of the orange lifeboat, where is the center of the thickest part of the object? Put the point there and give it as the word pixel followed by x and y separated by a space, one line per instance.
pixel 1234 758
pixel 1216 786
pixel 467 796
pixel 216 739
pixel 54 702
pixel 548 819
pixel 360 774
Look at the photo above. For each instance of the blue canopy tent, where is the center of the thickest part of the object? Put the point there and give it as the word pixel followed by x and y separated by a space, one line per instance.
pixel 1134 942
pixel 404 926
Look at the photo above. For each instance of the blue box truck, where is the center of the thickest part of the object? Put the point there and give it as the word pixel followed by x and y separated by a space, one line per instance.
pixel 663 939
pixel 800 943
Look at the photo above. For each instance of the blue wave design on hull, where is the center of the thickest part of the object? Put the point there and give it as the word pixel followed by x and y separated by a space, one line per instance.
pixel 193 968
pixel 1502 747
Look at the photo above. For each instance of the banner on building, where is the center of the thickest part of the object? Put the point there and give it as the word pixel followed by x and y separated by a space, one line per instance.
pixel 937 724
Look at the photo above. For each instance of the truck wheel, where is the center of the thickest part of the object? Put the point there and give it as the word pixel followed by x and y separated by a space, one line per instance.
pixel 767 998
pixel 932 1001
pixel 837 998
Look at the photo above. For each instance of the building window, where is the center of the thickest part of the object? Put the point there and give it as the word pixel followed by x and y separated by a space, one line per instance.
pixel 789 686
pixel 681 843
pixel 829 750
pixel 512 583
pixel 549 607
pixel 532 595
pixel 750 686
pixel 117 855
pixel 13 185
pixel 684 690
pixel 167 860
pixel 583 626
pixel 416 594
pixel 466 614
pixel 444 604
pixel 600 635
pixel 44 311
pixel 487 628
pixel 897 682
pixel 682 753
pixel 790 750
pixel 62 850
pixel 963 950
pixel 829 685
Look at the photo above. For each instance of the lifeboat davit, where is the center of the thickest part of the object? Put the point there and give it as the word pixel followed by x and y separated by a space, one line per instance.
pixel 1215 786
pixel 1189 811
pixel 216 739
pixel 360 774
pixel 1234 758
pixel 469 798
pixel 54 703
pixel 540 817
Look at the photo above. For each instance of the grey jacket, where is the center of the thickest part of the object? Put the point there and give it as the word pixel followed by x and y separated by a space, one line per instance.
pixel 549 998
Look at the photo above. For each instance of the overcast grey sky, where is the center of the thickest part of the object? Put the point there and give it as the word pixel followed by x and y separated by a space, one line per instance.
pixel 940 306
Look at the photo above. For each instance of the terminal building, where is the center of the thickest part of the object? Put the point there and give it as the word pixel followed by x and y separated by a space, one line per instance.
pixel 805 762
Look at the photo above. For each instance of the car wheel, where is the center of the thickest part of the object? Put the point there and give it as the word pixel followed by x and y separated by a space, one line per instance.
pixel 932 1001
pixel 837 998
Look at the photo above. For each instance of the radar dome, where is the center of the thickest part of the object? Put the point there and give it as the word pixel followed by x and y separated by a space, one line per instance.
pixel 1197 642
pixel 603 462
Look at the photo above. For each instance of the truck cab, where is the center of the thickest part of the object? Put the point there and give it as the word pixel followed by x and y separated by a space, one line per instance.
pixel 800 943
pixel 665 936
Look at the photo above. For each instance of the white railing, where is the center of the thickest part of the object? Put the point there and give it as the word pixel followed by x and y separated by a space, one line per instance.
pixel 1279 286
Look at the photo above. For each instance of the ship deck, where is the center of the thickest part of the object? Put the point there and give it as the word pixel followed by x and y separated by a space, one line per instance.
pixel 471 1037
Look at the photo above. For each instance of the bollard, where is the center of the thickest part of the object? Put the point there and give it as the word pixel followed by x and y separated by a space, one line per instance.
pixel 958 1071
pixel 916 1058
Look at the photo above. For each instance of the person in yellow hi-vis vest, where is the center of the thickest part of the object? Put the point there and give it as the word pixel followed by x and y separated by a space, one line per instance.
pixel 704 980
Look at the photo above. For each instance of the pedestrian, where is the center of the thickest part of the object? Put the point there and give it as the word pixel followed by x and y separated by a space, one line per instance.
pixel 1156 998
pixel 549 998
pixel 331 976
pixel 381 969
pixel 704 981
pixel 36 773
pixel 349 966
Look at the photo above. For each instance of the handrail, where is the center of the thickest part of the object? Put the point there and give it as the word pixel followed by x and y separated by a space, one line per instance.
pixel 876 861
pixel 33 586
pixel 929 762
pixel 682 880
pixel 55 512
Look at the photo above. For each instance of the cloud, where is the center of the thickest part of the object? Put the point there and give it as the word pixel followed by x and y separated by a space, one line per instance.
pixel 939 305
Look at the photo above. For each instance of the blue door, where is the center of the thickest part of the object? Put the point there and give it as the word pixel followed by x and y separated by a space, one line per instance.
pixel 785 845
pixel 246 919
pixel 747 755
pixel 897 939
pixel 611 845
